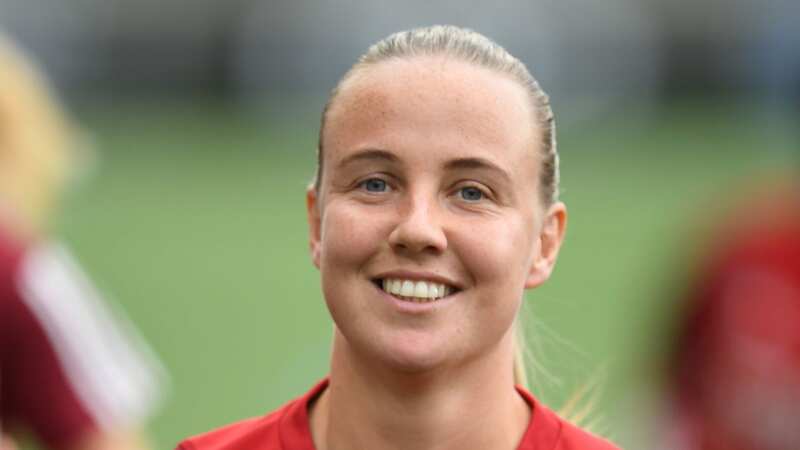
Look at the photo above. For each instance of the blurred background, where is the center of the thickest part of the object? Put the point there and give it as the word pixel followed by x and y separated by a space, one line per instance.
pixel 204 114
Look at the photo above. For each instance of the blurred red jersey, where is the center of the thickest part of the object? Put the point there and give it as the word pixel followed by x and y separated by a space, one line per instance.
pixel 288 429
pixel 68 366
pixel 736 367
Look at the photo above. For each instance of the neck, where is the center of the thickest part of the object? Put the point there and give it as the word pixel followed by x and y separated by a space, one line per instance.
pixel 369 405
pixel 13 222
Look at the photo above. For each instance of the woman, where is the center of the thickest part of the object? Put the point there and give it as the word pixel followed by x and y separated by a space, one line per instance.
pixel 434 206
pixel 70 372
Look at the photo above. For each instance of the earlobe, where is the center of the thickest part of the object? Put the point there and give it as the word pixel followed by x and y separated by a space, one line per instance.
pixel 551 235
pixel 314 224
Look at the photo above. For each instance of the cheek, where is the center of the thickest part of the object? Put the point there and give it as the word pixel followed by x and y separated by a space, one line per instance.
pixel 497 252
pixel 351 237
pixel 348 237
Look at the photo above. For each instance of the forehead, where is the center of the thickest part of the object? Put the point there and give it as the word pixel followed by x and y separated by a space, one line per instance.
pixel 437 104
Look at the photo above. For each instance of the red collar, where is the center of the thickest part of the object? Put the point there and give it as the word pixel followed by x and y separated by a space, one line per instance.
pixel 294 430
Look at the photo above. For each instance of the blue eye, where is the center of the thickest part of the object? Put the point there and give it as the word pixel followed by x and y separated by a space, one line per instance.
pixel 471 194
pixel 374 185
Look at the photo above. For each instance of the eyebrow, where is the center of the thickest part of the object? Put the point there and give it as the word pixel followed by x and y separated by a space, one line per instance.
pixel 473 163
pixel 369 154
pixel 478 163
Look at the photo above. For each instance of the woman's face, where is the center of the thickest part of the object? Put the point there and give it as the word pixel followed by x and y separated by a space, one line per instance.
pixel 429 192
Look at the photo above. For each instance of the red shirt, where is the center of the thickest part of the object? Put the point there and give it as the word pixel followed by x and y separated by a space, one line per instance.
pixel 288 429
pixel 736 366
pixel 67 368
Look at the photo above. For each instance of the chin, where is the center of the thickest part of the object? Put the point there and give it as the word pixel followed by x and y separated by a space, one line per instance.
pixel 410 352
pixel 413 363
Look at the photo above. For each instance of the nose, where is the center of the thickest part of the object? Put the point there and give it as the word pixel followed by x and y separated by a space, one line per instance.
pixel 418 229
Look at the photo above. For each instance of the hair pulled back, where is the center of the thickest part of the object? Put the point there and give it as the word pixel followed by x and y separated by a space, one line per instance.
pixel 473 48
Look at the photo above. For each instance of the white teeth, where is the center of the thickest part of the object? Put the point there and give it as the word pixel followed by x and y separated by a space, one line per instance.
pixel 408 289
pixel 396 287
pixel 415 291
pixel 421 289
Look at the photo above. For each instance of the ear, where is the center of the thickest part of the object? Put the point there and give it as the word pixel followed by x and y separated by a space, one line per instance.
pixel 314 224
pixel 550 237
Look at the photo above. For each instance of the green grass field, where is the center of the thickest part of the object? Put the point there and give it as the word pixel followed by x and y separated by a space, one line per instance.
pixel 194 221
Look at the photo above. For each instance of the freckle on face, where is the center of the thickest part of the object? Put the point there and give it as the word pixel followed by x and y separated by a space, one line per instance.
pixel 426 118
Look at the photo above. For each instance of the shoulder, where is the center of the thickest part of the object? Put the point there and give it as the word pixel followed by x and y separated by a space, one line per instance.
pixel 286 428
pixel 14 315
pixel 254 433
pixel 549 431
pixel 574 438
pixel 60 342
pixel 11 254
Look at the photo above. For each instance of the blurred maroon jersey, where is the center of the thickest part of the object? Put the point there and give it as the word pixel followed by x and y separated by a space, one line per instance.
pixel 68 365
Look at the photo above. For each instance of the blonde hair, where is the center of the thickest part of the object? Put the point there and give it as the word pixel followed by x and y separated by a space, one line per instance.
pixel 474 48
pixel 36 140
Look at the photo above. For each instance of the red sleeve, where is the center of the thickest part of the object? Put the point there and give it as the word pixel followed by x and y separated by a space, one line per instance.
pixel 574 438
pixel 68 365
pixel 35 392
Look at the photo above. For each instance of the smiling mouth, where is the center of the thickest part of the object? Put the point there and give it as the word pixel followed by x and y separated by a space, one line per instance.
pixel 417 291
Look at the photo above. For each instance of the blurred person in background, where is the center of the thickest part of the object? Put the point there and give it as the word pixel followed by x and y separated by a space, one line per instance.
pixel 73 372
pixel 735 370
